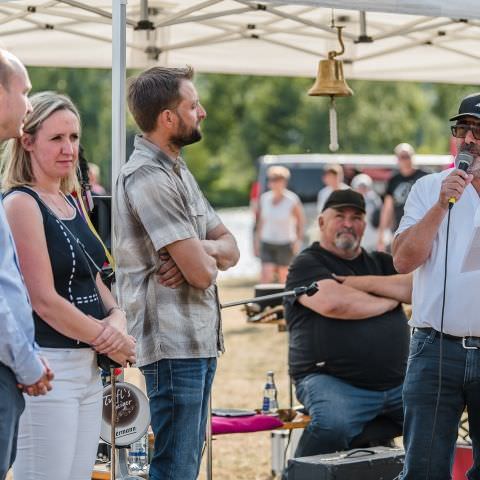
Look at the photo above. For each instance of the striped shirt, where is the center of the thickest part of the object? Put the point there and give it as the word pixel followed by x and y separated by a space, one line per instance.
pixel 154 207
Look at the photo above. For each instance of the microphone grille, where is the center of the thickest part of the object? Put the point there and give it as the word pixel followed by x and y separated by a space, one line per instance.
pixel 465 157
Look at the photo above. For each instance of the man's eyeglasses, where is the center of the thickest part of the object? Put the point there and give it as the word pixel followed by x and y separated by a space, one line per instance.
pixel 460 131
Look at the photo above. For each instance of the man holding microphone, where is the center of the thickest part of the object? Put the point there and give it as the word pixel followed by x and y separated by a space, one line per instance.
pixel 443 372
pixel 21 369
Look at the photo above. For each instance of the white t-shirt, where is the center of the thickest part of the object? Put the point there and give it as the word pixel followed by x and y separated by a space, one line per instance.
pixel 462 301
pixel 278 223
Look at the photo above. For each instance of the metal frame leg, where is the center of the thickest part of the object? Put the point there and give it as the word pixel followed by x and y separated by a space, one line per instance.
pixel 113 421
pixel 290 391
pixel 208 440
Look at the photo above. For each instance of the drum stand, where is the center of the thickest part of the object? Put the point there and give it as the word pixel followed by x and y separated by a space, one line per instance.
pixel 296 292
pixel 122 461
pixel 113 421
pixel 208 440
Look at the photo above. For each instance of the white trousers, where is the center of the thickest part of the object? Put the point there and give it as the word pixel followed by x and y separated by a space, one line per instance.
pixel 59 432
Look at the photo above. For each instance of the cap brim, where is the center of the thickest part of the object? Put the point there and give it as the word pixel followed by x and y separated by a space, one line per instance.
pixel 344 205
pixel 461 115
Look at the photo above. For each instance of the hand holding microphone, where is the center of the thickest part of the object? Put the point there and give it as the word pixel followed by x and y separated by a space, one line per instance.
pixel 454 185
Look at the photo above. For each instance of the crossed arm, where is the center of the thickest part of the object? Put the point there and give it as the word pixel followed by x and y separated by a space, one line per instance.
pixel 197 261
pixel 359 297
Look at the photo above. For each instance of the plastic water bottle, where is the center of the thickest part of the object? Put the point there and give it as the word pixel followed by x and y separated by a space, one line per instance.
pixel 137 456
pixel 270 401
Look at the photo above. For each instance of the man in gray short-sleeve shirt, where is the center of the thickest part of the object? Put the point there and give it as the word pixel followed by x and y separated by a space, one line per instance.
pixel 170 245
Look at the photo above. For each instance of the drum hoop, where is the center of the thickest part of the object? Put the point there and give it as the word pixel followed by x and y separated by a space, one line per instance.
pixel 143 407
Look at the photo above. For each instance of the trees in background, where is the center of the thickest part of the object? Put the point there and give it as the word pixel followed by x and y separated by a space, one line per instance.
pixel 250 116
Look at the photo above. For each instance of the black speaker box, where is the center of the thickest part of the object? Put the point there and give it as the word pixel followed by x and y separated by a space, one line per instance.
pixel 377 463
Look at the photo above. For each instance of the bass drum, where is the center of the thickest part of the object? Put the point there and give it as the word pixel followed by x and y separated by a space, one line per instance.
pixel 133 414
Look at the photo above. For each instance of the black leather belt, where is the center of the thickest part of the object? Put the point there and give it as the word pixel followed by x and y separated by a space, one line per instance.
pixel 472 343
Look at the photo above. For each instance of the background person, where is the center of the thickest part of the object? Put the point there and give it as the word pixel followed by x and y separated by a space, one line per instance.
pixel 20 363
pixel 94 179
pixel 59 258
pixel 419 246
pixel 280 226
pixel 363 183
pixel 170 244
pixel 333 180
pixel 398 188
pixel 348 343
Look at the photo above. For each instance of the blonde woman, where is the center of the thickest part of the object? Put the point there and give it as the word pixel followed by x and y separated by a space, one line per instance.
pixel 280 226
pixel 60 258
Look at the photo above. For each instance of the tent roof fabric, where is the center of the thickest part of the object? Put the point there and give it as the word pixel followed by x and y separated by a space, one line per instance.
pixel 421 40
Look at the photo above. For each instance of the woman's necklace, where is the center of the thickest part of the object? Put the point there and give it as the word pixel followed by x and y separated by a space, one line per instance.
pixel 57 202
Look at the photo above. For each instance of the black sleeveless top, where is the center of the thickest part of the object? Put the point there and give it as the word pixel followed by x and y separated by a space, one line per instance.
pixel 70 267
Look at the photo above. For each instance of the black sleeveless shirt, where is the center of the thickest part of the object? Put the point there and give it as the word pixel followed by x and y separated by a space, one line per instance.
pixel 70 267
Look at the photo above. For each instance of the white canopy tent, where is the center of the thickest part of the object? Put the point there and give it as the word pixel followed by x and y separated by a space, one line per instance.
pixel 423 40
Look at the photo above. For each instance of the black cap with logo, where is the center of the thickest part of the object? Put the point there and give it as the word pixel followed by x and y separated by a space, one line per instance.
pixel 470 107
pixel 345 198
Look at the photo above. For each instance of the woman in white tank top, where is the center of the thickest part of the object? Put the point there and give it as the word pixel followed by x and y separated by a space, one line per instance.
pixel 280 226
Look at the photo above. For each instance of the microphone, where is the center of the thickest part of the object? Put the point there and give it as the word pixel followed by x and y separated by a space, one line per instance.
pixel 463 161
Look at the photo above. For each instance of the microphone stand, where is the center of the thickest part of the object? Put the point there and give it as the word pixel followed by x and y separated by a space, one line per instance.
pixel 296 292
pixel 309 290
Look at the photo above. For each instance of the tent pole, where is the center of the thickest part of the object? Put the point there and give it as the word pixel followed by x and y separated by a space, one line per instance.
pixel 119 9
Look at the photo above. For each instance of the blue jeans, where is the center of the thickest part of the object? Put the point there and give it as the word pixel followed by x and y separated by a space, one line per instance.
pixel 340 411
pixel 460 388
pixel 11 407
pixel 179 392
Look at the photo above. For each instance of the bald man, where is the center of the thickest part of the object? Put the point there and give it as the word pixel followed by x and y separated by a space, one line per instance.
pixel 21 369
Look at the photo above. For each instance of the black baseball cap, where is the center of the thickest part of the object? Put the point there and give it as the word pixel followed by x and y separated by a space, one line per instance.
pixel 345 198
pixel 470 107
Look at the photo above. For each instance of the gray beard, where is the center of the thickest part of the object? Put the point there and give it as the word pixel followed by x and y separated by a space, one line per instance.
pixel 475 168
pixel 346 243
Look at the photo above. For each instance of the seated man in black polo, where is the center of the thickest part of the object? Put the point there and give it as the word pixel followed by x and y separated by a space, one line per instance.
pixel 348 343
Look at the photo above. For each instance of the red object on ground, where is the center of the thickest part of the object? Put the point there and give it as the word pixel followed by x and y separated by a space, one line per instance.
pixel 462 462
pixel 117 371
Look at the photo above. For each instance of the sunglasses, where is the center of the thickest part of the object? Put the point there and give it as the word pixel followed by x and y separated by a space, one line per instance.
pixel 460 131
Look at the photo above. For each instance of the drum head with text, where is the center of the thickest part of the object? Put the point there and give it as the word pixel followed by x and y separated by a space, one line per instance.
pixel 133 414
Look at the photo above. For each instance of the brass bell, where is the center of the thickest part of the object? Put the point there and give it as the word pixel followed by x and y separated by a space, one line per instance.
pixel 330 80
